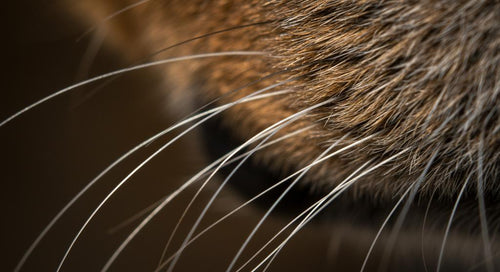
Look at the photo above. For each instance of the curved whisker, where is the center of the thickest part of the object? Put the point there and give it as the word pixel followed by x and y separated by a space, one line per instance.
pixel 332 196
pixel 482 209
pixel 404 211
pixel 310 210
pixel 292 184
pixel 150 158
pixel 402 216
pixel 275 127
pixel 111 16
pixel 126 70
pixel 448 225
pixel 243 157
pixel 254 96
pixel 372 246
pixel 151 207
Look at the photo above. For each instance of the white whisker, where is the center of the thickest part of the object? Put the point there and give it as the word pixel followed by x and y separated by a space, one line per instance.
pixel 243 156
pixel 113 15
pixel 129 69
pixel 145 221
pixel 422 249
pixel 151 207
pixel 276 126
pixel 332 196
pixel 309 210
pixel 383 226
pixel 482 209
pixel 166 200
pixel 448 226
pixel 268 212
pixel 404 211
pixel 145 162
pixel 251 97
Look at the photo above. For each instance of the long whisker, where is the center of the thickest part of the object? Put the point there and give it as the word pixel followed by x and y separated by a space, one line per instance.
pixel 424 223
pixel 145 162
pixel 246 203
pixel 308 210
pixel 243 246
pixel 344 185
pixel 276 126
pixel 111 16
pixel 243 157
pixel 56 218
pixel 151 207
pixel 402 216
pixel 159 208
pixel 206 35
pixel 338 190
pixel 448 226
pixel 383 226
pixel 129 69
pixel 399 222
pixel 482 209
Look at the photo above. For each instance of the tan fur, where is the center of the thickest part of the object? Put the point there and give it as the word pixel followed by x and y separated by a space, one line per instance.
pixel 419 75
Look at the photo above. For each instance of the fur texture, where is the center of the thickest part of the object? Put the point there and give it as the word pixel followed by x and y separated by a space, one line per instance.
pixel 421 76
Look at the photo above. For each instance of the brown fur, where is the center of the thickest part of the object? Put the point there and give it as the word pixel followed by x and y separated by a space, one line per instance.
pixel 419 75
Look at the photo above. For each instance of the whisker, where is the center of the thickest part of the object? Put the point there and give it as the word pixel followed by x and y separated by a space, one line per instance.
pixel 151 207
pixel 252 233
pixel 399 222
pixel 135 217
pixel 111 16
pixel 214 111
pixel 241 206
pixel 276 126
pixel 147 160
pixel 482 209
pixel 243 157
pixel 310 209
pixel 338 190
pixel 402 216
pixel 448 226
pixel 316 209
pixel 424 223
pixel 145 221
pixel 383 226
pixel 159 208
pixel 206 35
pixel 129 69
